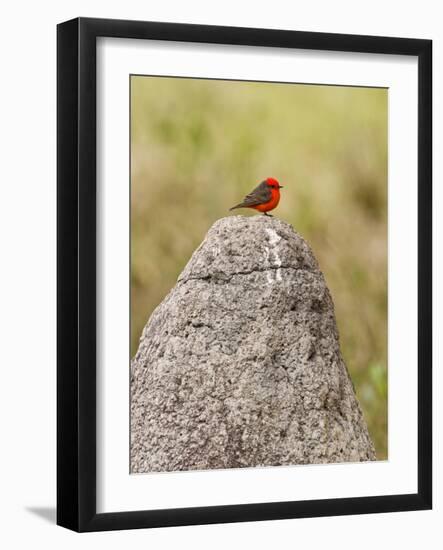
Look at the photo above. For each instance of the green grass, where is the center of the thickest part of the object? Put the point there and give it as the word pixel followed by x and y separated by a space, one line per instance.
pixel 199 146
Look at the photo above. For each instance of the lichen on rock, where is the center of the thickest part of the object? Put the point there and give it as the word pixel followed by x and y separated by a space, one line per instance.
pixel 240 365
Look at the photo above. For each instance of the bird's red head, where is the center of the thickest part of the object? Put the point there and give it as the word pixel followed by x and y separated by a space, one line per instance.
pixel 273 183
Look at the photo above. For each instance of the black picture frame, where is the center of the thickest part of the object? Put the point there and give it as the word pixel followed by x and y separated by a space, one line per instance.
pixel 76 279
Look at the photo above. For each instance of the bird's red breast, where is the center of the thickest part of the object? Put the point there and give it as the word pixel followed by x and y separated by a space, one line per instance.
pixel 271 204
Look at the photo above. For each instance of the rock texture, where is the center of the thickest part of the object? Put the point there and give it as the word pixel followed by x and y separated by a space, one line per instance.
pixel 240 365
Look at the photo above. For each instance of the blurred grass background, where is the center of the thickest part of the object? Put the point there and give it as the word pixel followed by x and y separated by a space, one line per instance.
pixel 198 146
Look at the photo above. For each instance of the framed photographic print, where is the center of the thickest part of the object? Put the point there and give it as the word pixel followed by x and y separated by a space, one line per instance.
pixel 244 274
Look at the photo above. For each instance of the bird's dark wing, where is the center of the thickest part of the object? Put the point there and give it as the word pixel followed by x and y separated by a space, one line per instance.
pixel 259 195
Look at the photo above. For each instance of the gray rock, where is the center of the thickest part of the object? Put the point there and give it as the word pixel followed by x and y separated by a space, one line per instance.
pixel 240 365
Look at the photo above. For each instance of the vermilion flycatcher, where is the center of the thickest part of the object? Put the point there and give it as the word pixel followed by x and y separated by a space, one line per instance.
pixel 263 198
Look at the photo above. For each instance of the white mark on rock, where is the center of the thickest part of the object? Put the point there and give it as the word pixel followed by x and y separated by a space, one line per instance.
pixel 272 256
pixel 274 237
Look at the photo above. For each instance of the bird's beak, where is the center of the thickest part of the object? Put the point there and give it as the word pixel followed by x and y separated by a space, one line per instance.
pixel 280 186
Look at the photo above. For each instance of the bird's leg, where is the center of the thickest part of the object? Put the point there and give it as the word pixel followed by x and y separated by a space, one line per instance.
pixel 266 214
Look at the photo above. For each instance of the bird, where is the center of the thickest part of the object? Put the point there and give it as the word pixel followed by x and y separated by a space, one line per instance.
pixel 264 197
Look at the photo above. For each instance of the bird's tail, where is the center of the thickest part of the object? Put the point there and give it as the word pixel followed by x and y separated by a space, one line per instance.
pixel 237 206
